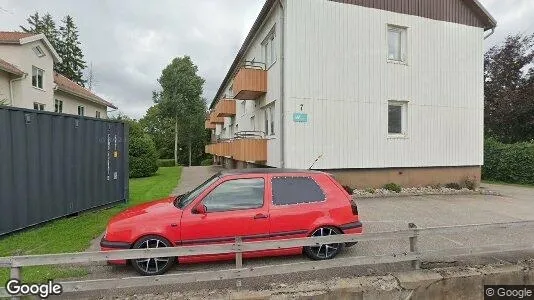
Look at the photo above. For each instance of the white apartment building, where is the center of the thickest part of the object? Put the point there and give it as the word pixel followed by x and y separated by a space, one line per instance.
pixel 28 79
pixel 375 91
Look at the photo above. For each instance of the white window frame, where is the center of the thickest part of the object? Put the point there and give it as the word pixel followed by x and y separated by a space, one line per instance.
pixel 268 45
pixel 98 115
pixel 243 107
pixel 35 72
pixel 404 119
pixel 82 109
pixel 253 123
pixel 272 125
pixel 58 106
pixel 40 106
pixel 403 43
pixel 38 51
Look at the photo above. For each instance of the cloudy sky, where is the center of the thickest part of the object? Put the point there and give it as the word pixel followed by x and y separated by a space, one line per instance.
pixel 129 42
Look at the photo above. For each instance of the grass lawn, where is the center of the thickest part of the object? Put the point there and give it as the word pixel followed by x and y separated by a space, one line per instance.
pixel 75 234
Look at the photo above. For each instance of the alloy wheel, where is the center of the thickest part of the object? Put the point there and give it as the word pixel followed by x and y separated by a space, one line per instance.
pixel 325 251
pixel 152 266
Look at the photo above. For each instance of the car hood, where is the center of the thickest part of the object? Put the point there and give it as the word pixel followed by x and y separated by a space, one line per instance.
pixel 148 211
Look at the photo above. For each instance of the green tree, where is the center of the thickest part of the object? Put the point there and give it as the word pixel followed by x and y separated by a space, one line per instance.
pixel 142 153
pixel 180 100
pixel 65 41
pixel 161 129
pixel 71 53
pixel 509 89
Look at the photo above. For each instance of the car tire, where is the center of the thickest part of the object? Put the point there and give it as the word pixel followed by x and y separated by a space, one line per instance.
pixel 324 252
pixel 152 266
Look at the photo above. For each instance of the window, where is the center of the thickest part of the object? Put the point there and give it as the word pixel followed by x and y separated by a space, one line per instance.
pixel 253 123
pixel 184 200
pixel 294 190
pixel 97 115
pixel 266 117
pixel 271 116
pixel 81 111
pixel 236 194
pixel 58 106
pixel 38 106
pixel 397 117
pixel 269 48
pixel 243 107
pixel 397 43
pixel 38 51
pixel 37 77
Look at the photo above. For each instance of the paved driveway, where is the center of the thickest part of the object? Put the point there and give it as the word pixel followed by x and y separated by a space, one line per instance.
pixel 385 214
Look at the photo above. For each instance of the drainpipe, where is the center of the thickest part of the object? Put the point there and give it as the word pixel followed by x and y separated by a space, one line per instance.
pixel 490 34
pixel 282 100
pixel 12 100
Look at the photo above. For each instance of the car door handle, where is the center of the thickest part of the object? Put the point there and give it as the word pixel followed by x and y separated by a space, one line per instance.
pixel 260 216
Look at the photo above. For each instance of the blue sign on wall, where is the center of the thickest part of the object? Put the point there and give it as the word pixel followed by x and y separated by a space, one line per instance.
pixel 300 117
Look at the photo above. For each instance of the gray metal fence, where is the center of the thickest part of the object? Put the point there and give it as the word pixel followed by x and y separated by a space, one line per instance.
pixel 54 165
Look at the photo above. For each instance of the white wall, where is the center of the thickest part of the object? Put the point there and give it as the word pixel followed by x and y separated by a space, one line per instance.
pixel 256 108
pixel 336 67
pixel 71 103
pixel 4 87
pixel 23 57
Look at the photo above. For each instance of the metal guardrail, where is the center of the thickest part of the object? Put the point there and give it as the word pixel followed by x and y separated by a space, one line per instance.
pixel 414 255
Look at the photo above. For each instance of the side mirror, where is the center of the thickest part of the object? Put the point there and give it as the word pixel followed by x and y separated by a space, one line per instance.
pixel 200 209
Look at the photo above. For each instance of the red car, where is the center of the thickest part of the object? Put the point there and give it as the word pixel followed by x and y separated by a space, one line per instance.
pixel 254 204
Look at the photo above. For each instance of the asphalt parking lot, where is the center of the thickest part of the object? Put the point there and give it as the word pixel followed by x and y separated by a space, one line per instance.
pixel 387 214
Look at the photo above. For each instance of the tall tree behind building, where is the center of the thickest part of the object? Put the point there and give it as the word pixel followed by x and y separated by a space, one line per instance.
pixel 65 41
pixel 509 89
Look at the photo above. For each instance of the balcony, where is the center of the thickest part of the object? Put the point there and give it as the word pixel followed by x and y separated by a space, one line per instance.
pixel 209 125
pixel 250 83
pixel 225 108
pixel 245 147
pixel 216 120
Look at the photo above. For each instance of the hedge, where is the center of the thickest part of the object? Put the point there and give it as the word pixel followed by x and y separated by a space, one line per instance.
pixel 143 156
pixel 512 163
pixel 207 162
pixel 163 163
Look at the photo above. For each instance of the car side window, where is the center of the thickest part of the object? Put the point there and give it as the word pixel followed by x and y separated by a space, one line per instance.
pixel 294 190
pixel 236 194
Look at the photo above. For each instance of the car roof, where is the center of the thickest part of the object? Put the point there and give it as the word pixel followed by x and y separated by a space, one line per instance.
pixel 266 171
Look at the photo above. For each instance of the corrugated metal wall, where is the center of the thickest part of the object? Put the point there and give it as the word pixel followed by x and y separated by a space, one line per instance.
pixel 55 165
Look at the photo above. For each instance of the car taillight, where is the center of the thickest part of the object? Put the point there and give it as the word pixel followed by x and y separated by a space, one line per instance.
pixel 354 209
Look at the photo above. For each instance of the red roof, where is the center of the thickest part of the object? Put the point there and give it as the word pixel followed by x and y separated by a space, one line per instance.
pixel 5 66
pixel 13 36
pixel 68 86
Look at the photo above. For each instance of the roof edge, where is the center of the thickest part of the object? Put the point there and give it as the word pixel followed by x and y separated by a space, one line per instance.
pixel 266 9
pixel 42 37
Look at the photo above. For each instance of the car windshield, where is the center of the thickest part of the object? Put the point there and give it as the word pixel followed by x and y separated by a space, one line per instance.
pixel 184 200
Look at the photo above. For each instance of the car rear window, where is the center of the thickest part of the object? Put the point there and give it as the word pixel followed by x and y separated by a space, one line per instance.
pixel 294 190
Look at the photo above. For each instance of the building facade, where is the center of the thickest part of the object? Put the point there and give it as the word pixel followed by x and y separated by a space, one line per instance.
pixel 371 91
pixel 28 79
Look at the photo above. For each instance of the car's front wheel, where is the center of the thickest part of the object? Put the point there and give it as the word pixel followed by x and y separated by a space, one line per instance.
pixel 326 251
pixel 152 266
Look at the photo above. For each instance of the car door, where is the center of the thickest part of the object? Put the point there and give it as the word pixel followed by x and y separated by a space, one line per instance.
pixel 235 207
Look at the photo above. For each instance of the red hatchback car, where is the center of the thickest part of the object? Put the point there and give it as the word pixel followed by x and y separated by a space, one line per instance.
pixel 254 204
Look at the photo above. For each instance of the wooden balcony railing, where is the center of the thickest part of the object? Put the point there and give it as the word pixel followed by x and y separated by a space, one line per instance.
pixel 225 108
pixel 209 125
pixel 250 83
pixel 216 120
pixel 240 149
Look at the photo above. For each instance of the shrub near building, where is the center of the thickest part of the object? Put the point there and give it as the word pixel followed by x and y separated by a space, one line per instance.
pixel 142 153
pixel 513 163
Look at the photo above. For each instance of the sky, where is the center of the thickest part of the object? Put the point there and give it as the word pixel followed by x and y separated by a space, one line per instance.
pixel 129 42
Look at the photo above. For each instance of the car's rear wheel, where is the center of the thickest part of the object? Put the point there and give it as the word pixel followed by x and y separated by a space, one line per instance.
pixel 326 251
pixel 152 266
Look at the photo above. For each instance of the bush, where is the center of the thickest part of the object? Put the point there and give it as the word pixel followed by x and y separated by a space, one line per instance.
pixel 453 186
pixel 143 156
pixel 512 163
pixel 370 190
pixel 207 162
pixel 393 187
pixel 165 163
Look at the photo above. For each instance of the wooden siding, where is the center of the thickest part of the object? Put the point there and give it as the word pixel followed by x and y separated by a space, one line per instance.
pixel 225 108
pixel 216 120
pixel 242 150
pixel 455 11
pixel 209 125
pixel 249 84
